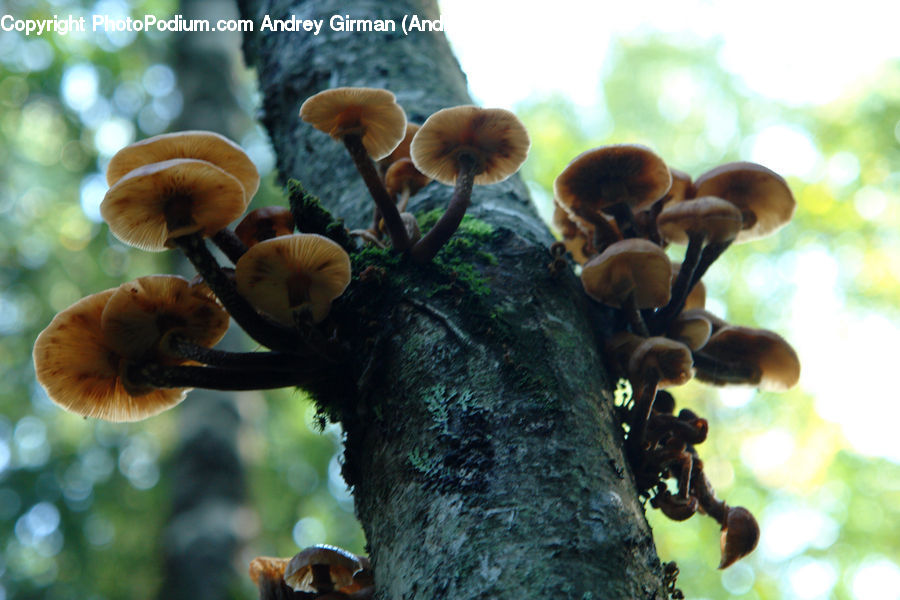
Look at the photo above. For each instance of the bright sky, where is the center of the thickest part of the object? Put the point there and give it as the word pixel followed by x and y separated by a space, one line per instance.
pixel 799 52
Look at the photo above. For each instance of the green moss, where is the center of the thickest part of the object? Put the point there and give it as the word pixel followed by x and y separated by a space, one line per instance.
pixel 311 217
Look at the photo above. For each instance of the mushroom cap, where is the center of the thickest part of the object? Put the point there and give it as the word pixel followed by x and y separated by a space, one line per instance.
pixel 402 149
pixel 495 138
pixel 267 567
pixel 197 195
pixel 403 174
pixel 264 223
pixel 629 266
pixel 283 274
pixel 141 312
pixel 763 196
pixel 716 219
pixel 774 362
pixel 740 534
pixel 81 372
pixel 660 359
pixel 201 145
pixel 682 187
pixel 599 178
pixel 371 113
pixel 692 329
pixel 341 565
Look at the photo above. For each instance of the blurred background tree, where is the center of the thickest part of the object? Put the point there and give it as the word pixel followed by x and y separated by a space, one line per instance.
pixel 81 502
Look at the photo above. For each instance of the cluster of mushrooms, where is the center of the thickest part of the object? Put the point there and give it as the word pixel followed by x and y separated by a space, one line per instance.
pixel 131 352
pixel 617 208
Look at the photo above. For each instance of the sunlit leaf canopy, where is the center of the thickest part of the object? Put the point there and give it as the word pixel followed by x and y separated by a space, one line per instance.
pixel 81 502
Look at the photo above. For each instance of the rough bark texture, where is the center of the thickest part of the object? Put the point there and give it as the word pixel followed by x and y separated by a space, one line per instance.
pixel 482 444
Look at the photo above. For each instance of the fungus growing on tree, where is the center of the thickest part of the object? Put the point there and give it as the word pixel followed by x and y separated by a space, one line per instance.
pixel 631 274
pixel 141 314
pixel 263 224
pixel 465 146
pixel 154 204
pixel 740 534
pixel 742 355
pixel 403 180
pixel 371 124
pixel 200 145
pixel 614 180
pixel 301 272
pixel 763 196
pixel 705 224
pixel 321 569
pixel 83 374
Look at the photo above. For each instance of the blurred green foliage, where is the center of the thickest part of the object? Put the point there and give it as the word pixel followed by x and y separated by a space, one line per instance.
pixel 82 503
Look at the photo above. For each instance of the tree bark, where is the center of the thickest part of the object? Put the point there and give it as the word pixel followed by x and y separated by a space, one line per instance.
pixel 482 441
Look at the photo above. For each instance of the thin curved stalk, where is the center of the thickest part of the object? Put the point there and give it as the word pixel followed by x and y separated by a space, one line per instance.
pixel 214 378
pixel 181 347
pixel 230 244
pixel 427 247
pixel 263 330
pixel 383 202
pixel 682 286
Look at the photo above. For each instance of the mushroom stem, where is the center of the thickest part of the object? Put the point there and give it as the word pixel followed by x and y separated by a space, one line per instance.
pixel 181 347
pixel 368 237
pixel 707 257
pixel 230 244
pixel 682 287
pixel 263 330
pixel 702 489
pixel 383 202
pixel 621 212
pixel 215 378
pixel 710 368
pixel 637 422
pixel 403 201
pixel 634 316
pixel 426 248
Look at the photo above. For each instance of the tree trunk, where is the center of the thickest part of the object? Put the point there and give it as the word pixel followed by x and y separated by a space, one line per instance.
pixel 482 442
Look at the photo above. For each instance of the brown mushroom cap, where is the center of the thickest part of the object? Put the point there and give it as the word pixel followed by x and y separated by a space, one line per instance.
pixel 740 534
pixel 495 138
pixel 321 568
pixel 763 196
pixel 283 274
pixel 264 223
pixel 81 372
pixel 371 113
pixel 200 145
pixel 141 312
pixel 693 330
pixel 682 187
pixel 775 365
pixel 267 567
pixel 629 266
pixel 660 359
pixel 599 178
pixel 402 149
pixel 403 174
pixel 715 219
pixel 156 203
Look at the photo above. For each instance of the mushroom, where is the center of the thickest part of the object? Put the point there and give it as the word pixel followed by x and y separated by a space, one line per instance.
pixel 740 534
pixel 403 180
pixel 321 569
pixel 154 204
pixel 631 274
pixel 742 355
pixel 264 223
pixel 299 272
pixel 201 145
pixel 706 224
pixel 465 146
pixel 371 124
pixel 144 312
pixel 692 330
pixel 657 363
pixel 763 197
pixel 615 180
pixel 83 374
